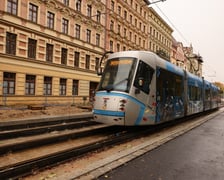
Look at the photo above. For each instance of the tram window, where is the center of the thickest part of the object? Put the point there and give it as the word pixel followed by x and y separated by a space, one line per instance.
pixel 143 77
pixel 194 93
pixel 168 84
pixel 207 94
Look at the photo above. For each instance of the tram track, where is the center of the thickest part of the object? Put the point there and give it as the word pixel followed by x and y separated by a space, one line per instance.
pixel 9 134
pixel 61 148
pixel 94 139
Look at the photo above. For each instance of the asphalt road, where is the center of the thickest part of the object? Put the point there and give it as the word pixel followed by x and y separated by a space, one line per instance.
pixel 196 155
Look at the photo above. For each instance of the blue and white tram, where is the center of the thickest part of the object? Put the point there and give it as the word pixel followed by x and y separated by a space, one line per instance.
pixel 140 88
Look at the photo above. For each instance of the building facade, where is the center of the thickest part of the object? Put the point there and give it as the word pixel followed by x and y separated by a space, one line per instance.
pixel 193 61
pixel 160 35
pixel 49 50
pixel 177 54
pixel 127 25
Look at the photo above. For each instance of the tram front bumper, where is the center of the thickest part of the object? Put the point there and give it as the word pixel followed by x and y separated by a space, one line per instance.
pixel 109 117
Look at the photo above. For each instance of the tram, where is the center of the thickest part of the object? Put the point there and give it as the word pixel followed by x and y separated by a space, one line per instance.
pixel 140 88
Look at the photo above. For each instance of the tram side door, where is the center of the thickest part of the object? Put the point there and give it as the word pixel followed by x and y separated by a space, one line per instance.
pixel 170 96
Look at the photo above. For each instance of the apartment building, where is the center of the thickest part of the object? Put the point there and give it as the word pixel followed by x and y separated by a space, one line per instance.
pixel 127 25
pixel 49 50
pixel 160 35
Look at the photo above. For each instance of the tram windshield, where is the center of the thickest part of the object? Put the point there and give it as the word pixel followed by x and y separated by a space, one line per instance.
pixel 118 74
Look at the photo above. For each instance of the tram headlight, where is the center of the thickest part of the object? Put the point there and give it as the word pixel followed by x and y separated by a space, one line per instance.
pixel 122 104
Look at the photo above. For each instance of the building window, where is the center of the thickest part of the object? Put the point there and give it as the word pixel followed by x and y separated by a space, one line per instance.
pixel 111 45
pixel 112 5
pixel 89 10
pixel 125 15
pixel 77 31
pixel 75 87
pixel 62 87
pixel 76 60
pixel 66 2
pixel 32 46
pixel 78 5
pixel 47 85
pixel 64 26
pixel 33 12
pixel 111 25
pixel 119 29
pixel 125 32
pixel 97 64
pixel 98 16
pixel 12 6
pixel 64 53
pixel 118 47
pixel 9 83
pixel 98 39
pixel 131 19
pixel 10 43
pixel 88 36
pixel 30 84
pixel 50 20
pixel 49 53
pixel 87 61
pixel 139 41
pixel 119 10
pixel 130 36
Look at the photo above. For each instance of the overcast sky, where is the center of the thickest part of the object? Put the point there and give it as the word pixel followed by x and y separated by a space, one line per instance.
pixel 200 23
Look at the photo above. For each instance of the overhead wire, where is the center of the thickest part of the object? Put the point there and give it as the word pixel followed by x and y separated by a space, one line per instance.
pixel 209 68
pixel 172 24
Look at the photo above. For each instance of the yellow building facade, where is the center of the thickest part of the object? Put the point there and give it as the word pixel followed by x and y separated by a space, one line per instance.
pixel 49 50
pixel 127 25
pixel 160 35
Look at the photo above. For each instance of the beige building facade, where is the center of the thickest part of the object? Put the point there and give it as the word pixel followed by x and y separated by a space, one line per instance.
pixel 177 54
pixel 49 50
pixel 127 25
pixel 160 35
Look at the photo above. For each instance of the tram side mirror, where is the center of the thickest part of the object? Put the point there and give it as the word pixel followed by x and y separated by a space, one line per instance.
pixel 99 71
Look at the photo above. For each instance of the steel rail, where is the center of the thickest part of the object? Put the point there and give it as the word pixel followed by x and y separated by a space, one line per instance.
pixel 22 124
pixel 24 168
pixel 38 142
pixel 44 129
